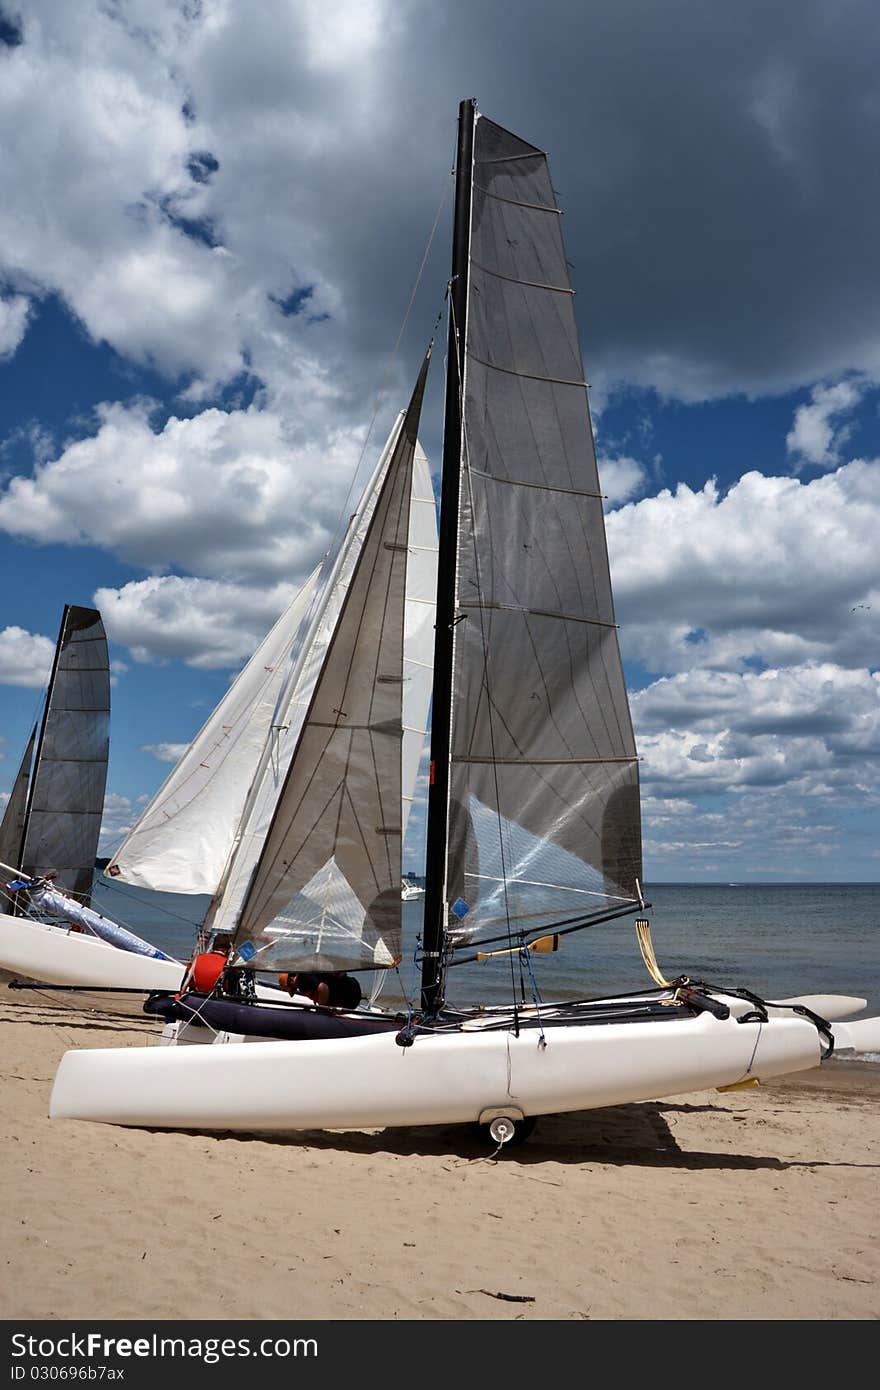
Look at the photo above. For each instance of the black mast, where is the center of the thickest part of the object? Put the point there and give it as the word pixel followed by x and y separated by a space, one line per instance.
pixel 441 707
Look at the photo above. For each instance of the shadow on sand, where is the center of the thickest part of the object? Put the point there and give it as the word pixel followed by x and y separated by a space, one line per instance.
pixel 636 1135
pixel 47 1014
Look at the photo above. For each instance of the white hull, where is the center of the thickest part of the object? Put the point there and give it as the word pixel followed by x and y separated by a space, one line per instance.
pixel 35 951
pixel 459 1077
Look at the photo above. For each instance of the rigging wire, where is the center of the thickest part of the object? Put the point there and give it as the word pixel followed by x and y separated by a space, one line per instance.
pixel 536 996
pixel 39 706
pixel 383 384
pixel 113 885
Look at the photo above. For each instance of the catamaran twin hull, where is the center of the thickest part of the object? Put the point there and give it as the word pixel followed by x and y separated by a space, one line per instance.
pixel 38 951
pixel 471 1074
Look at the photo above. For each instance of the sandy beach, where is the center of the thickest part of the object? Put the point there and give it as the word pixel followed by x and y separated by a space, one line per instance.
pixel 755 1204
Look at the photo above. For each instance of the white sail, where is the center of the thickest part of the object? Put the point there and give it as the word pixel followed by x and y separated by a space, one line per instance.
pixel 182 841
pixel 325 893
pixel 419 609
pixel 295 697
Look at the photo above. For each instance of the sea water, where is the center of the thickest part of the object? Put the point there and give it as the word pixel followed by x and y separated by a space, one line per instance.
pixel 777 940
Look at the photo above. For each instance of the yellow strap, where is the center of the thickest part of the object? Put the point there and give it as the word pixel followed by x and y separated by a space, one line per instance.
pixel 646 946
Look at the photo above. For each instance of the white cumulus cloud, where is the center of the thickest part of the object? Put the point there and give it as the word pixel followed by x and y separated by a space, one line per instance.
pixel 820 429
pixel 25 658
pixel 813 726
pixel 775 571
pixel 165 752
pixel 203 622
pixel 230 494
pixel 120 814
pixel 13 322
pixel 620 479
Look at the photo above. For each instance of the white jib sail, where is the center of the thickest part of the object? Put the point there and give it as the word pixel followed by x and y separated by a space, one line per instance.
pixel 418 626
pixel 182 841
pixel 325 893
pixel 299 687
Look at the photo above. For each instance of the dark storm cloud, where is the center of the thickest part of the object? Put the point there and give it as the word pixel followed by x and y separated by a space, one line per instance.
pixel 716 164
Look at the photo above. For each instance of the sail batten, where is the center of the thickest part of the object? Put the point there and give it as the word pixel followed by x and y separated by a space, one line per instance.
pixel 544 762
pixel 515 280
pixel 536 613
pixel 529 376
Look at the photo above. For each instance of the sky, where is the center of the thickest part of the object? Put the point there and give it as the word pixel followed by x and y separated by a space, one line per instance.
pixel 224 245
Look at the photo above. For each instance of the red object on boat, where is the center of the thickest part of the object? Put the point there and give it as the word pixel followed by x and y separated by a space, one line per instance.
pixel 206 971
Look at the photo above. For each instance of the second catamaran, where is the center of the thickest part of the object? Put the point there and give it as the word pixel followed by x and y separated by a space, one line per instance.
pixel 50 831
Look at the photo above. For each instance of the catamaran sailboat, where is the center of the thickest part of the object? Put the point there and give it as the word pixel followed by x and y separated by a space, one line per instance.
pixel 533 807
pixel 50 829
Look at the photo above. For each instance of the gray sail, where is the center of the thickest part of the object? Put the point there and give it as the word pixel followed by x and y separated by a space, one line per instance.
pixel 544 801
pixel 66 802
pixel 12 825
pixel 326 890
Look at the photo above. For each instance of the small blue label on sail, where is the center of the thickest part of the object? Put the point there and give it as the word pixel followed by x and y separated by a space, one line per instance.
pixel 246 950
pixel 459 908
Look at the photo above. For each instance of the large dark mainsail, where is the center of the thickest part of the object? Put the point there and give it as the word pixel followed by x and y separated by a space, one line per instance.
pixel 325 893
pixel 534 804
pixel 66 801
